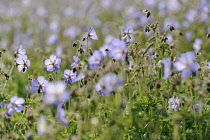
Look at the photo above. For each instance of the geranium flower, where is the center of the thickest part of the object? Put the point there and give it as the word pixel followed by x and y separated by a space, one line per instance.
pixel 96 60
pixel 167 68
pixel 15 105
pixel 174 103
pixel 22 63
pixel 186 64
pixel 52 64
pixel 76 61
pixel 39 84
pixel 127 34
pixel 56 93
pixel 91 33
pixel 108 84
pixel 70 76
pixel 20 51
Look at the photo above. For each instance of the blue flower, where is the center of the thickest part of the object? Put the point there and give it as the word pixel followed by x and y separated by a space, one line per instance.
pixel 174 103
pixel 105 50
pixel 42 125
pixel 61 115
pixel 96 60
pixel 91 33
pixel 186 64
pixel 39 85
pixel 15 105
pixel 20 51
pixel 108 84
pixel 75 64
pixel 22 63
pixel 118 49
pixel 197 44
pixel 2 104
pixel 167 67
pixel 196 107
pixel 127 34
pixel 70 76
pixel 56 93
pixel 52 64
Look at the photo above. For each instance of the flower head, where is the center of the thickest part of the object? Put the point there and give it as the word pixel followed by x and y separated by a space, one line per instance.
pixel 108 84
pixel 15 105
pixel 118 49
pixel 174 103
pixel 52 64
pixel 39 84
pixel 197 44
pixel 127 34
pixel 61 115
pixel 167 68
pixel 22 63
pixel 70 76
pixel 20 51
pixel 96 60
pixel 42 125
pixel 56 93
pixel 186 64
pixel 76 61
pixel 91 33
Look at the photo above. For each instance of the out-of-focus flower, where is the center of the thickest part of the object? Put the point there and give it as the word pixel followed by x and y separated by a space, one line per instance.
pixel 15 105
pixel 96 60
pixel 52 39
pixel 169 39
pixel 59 51
pixel 2 104
pixel 174 103
pixel 52 64
pixel 186 64
pixel 91 33
pixel 56 93
pixel 22 63
pixel 197 44
pixel 75 64
pixel 61 115
pixel 188 35
pixel 39 85
pixel 118 49
pixel 127 34
pixel 167 68
pixel 191 15
pixel 42 125
pixel 108 84
pixel 20 51
pixel 72 32
pixel 105 50
pixel 196 107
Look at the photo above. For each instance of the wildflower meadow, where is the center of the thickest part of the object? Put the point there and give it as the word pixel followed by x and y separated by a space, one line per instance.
pixel 105 70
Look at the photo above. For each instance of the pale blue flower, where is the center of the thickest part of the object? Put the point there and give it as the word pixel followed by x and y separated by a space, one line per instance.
pixel 39 85
pixel 70 76
pixel 76 61
pixel 52 64
pixel 22 63
pixel 186 64
pixel 42 125
pixel 91 33
pixel 174 103
pixel 167 67
pixel 56 93
pixel 15 105
pixel 96 60
pixel 61 116
pixel 20 51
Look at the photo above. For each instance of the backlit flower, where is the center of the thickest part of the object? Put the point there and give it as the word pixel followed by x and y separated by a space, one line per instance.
pixel 52 64
pixel 22 63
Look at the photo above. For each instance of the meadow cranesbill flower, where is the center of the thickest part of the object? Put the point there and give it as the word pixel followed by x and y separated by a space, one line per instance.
pixel 61 115
pixel 22 63
pixel 70 76
pixel 76 61
pixel 196 107
pixel 52 64
pixel 15 105
pixel 127 34
pixel 167 68
pixel 59 51
pixel 39 84
pixel 105 50
pixel 96 60
pixel 42 125
pixel 52 39
pixel 20 51
pixel 56 93
pixel 197 44
pixel 186 64
pixel 91 33
pixel 108 84
pixel 174 103
pixel 118 49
